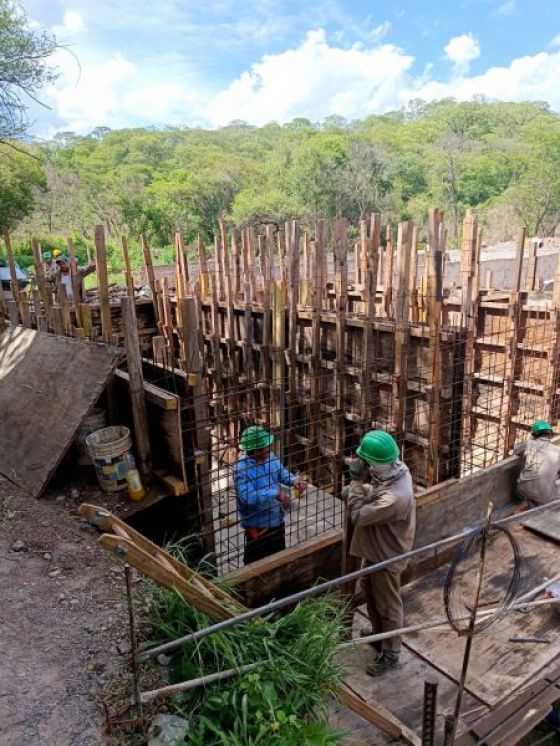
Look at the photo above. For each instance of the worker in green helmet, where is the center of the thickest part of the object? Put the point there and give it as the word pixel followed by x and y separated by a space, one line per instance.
pixel 380 505
pixel 540 466
pixel 259 477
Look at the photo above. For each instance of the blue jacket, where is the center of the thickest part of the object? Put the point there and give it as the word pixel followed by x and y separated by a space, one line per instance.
pixel 258 487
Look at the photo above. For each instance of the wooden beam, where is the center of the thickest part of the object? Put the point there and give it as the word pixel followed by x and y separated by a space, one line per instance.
pixel 341 290
pixel 149 265
pixel 127 269
pixel 160 397
pixel 102 283
pixel 134 361
pixel 402 309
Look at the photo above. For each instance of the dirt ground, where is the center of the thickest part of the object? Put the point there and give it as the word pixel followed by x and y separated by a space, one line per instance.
pixel 63 613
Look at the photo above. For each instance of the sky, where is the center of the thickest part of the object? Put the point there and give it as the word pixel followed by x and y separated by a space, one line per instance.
pixel 139 63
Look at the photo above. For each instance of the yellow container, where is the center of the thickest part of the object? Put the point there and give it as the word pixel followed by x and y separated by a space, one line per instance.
pixel 134 484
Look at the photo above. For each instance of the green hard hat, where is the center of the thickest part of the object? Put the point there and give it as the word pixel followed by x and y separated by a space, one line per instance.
pixel 541 426
pixel 47 255
pixel 378 447
pixel 255 438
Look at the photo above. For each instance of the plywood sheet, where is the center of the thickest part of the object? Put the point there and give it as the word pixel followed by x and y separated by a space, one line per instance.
pixel 47 385
pixel 497 667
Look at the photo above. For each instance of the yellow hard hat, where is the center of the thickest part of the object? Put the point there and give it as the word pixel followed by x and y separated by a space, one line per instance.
pixel 56 252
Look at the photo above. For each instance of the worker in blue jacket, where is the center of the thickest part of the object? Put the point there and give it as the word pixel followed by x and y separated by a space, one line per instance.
pixel 258 477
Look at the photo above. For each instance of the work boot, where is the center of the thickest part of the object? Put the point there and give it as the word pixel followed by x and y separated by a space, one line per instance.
pixel 375 645
pixel 382 663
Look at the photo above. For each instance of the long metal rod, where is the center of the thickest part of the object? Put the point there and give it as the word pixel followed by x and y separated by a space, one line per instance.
pixel 325 587
pixel 133 643
pixel 184 686
pixel 451 725
pixel 444 622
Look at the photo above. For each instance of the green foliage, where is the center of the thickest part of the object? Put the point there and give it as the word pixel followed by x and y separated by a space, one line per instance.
pixel 21 176
pixel 282 701
pixel 479 155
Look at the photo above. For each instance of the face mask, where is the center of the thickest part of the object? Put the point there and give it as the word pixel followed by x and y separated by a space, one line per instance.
pixel 382 471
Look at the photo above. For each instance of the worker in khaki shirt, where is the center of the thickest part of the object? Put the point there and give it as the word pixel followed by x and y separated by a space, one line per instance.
pixel 540 464
pixel 383 514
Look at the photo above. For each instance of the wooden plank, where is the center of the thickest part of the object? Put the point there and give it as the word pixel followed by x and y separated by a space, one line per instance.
pixel 546 524
pixel 76 281
pixel 377 714
pixel 434 301
pixel 102 283
pixel 154 394
pixel 129 279
pixel 293 251
pixel 136 386
pixel 29 365
pixel 531 273
pixel 388 276
pixel 173 484
pixel 85 317
pixel 314 417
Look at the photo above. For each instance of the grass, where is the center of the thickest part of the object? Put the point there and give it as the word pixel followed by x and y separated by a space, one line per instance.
pixel 282 702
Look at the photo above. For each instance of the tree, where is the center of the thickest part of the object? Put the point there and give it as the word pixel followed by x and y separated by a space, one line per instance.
pixel 24 70
pixel 20 178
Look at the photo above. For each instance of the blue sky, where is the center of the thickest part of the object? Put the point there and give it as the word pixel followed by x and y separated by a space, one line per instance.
pixel 187 62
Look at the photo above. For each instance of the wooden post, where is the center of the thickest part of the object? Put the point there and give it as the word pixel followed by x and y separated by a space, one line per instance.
pixel 510 393
pixel 46 295
pixel 531 276
pixel 414 276
pixel 361 270
pixel 148 263
pixel 219 268
pixel 279 362
pixel 102 284
pixel 76 282
pixel 136 378
pixel 191 321
pixel 388 278
pixel 25 309
pixel 202 268
pixel 304 299
pixel 292 241
pixel 127 270
pixel 469 311
pixel 341 291
pixel 182 282
pixel 402 308
pixel 14 284
pixel 251 262
pixel 236 256
pixel 319 286
pixel 434 303
pixel 370 291
pixel 281 243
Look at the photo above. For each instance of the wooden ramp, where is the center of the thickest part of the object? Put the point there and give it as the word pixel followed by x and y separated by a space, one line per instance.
pixel 497 667
pixel 48 384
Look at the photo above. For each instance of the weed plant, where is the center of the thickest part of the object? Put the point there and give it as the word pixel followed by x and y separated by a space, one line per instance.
pixel 283 701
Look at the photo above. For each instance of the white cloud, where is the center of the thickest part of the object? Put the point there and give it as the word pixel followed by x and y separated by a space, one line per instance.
pixel 508 8
pixel 555 42
pixel 73 21
pixel 314 80
pixel 461 51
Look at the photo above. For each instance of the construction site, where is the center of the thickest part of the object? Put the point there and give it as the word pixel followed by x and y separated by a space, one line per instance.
pixel 318 335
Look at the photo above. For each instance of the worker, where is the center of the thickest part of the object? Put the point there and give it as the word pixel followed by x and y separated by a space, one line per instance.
pixel 540 464
pixel 382 512
pixel 61 274
pixel 48 261
pixel 258 477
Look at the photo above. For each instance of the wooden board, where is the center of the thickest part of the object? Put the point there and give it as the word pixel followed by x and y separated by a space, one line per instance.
pixel 547 524
pixel 165 429
pixel 47 385
pixel 497 667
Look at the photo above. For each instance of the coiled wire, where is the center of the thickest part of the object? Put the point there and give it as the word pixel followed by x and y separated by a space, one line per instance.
pixel 467 549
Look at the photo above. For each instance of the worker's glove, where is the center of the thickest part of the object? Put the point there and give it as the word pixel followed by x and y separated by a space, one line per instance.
pixel 357 498
pixel 358 470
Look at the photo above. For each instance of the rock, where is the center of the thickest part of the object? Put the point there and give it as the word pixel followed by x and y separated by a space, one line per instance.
pixel 55 573
pixel 60 498
pixel 166 730
pixel 19 546
pixel 74 493
pixel 124 647
pixel 163 660
pixel 47 556
pixel 61 597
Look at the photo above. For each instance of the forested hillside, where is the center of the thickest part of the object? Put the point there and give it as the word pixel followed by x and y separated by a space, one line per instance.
pixel 501 159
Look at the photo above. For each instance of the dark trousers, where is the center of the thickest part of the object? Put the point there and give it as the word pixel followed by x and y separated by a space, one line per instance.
pixel 272 540
pixel 382 590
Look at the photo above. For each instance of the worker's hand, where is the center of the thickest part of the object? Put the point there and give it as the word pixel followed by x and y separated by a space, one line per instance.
pixel 358 470
pixel 300 485
pixel 284 498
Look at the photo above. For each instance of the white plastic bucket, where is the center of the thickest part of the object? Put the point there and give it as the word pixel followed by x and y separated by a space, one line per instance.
pixel 109 449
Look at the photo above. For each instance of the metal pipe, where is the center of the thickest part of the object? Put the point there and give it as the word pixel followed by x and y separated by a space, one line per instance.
pixel 184 686
pixel 325 587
